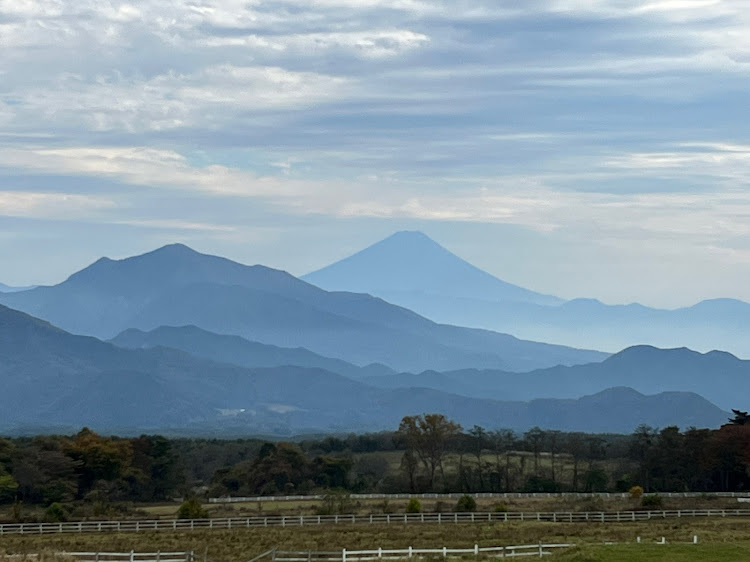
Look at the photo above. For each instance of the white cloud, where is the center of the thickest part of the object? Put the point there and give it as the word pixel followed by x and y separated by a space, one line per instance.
pixel 207 98
pixel 368 44
pixel 63 206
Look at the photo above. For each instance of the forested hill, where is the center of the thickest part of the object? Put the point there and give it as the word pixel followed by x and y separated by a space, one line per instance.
pixel 720 377
pixel 239 351
pixel 51 377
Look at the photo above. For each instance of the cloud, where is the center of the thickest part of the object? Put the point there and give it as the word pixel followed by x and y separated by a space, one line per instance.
pixel 611 122
pixel 173 100
pixel 63 206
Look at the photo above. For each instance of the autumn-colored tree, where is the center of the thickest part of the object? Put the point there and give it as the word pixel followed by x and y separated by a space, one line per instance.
pixel 427 437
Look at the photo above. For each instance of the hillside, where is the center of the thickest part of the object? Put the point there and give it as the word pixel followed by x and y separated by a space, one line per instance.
pixel 239 351
pixel 176 286
pixel 8 289
pixel 53 378
pixel 718 376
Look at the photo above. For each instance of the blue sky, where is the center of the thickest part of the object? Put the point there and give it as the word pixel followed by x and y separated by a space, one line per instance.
pixel 581 148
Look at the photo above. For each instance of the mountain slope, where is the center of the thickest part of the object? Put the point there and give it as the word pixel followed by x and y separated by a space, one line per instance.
pixel 8 289
pixel 718 376
pixel 53 378
pixel 176 286
pixel 412 263
pixel 238 351
pixel 410 270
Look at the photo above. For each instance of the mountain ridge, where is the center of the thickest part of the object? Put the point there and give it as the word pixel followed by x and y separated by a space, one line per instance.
pixel 177 286
pixel 719 323
pixel 60 379
pixel 720 377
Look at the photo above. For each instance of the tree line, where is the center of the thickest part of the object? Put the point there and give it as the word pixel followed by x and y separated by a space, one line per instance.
pixel 427 453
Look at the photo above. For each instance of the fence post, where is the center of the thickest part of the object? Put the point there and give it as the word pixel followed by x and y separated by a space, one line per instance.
pixel 343 555
pixel 445 552
pixel 158 556
pixel 380 552
pixel 476 550
pixel 410 552
pixel 132 555
pixel 541 552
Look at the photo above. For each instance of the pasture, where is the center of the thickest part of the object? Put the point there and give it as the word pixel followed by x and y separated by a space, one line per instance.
pixel 719 539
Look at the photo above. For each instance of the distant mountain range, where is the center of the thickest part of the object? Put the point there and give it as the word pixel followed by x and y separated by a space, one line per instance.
pixel 411 270
pixel 718 376
pixel 52 378
pixel 239 351
pixel 8 289
pixel 176 286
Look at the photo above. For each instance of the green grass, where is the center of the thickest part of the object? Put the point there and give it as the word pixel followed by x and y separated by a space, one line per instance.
pixel 735 552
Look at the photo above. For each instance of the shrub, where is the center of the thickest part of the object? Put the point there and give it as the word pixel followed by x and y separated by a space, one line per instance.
pixel 501 508
pixel 652 500
pixel 414 506
pixel 55 513
pixel 192 509
pixel 466 503
pixel 8 488
pixel 336 503
pixel 636 492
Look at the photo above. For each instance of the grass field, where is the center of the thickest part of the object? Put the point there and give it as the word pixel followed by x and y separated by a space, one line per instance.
pixel 720 539
pixel 721 552
pixel 525 504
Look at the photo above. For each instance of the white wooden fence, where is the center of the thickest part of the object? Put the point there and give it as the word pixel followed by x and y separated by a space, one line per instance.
pixel 131 556
pixel 345 555
pixel 381 519
pixel 508 495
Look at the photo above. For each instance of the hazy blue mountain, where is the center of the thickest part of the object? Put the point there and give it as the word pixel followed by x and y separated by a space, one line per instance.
pixel 410 270
pixel 54 379
pixel 8 289
pixel 411 263
pixel 239 351
pixel 720 377
pixel 176 286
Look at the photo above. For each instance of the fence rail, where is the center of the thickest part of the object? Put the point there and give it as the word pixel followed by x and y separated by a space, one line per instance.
pixel 507 495
pixel 386 519
pixel 344 555
pixel 131 556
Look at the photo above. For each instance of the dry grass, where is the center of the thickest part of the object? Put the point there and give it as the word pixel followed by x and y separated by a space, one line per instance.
pixel 238 545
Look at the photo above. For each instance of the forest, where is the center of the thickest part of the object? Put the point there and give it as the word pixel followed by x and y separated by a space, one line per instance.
pixel 427 453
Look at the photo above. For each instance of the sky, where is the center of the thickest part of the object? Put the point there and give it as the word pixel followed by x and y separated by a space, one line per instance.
pixel 582 148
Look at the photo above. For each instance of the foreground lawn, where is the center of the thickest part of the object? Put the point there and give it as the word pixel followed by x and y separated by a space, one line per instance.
pixel 715 552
